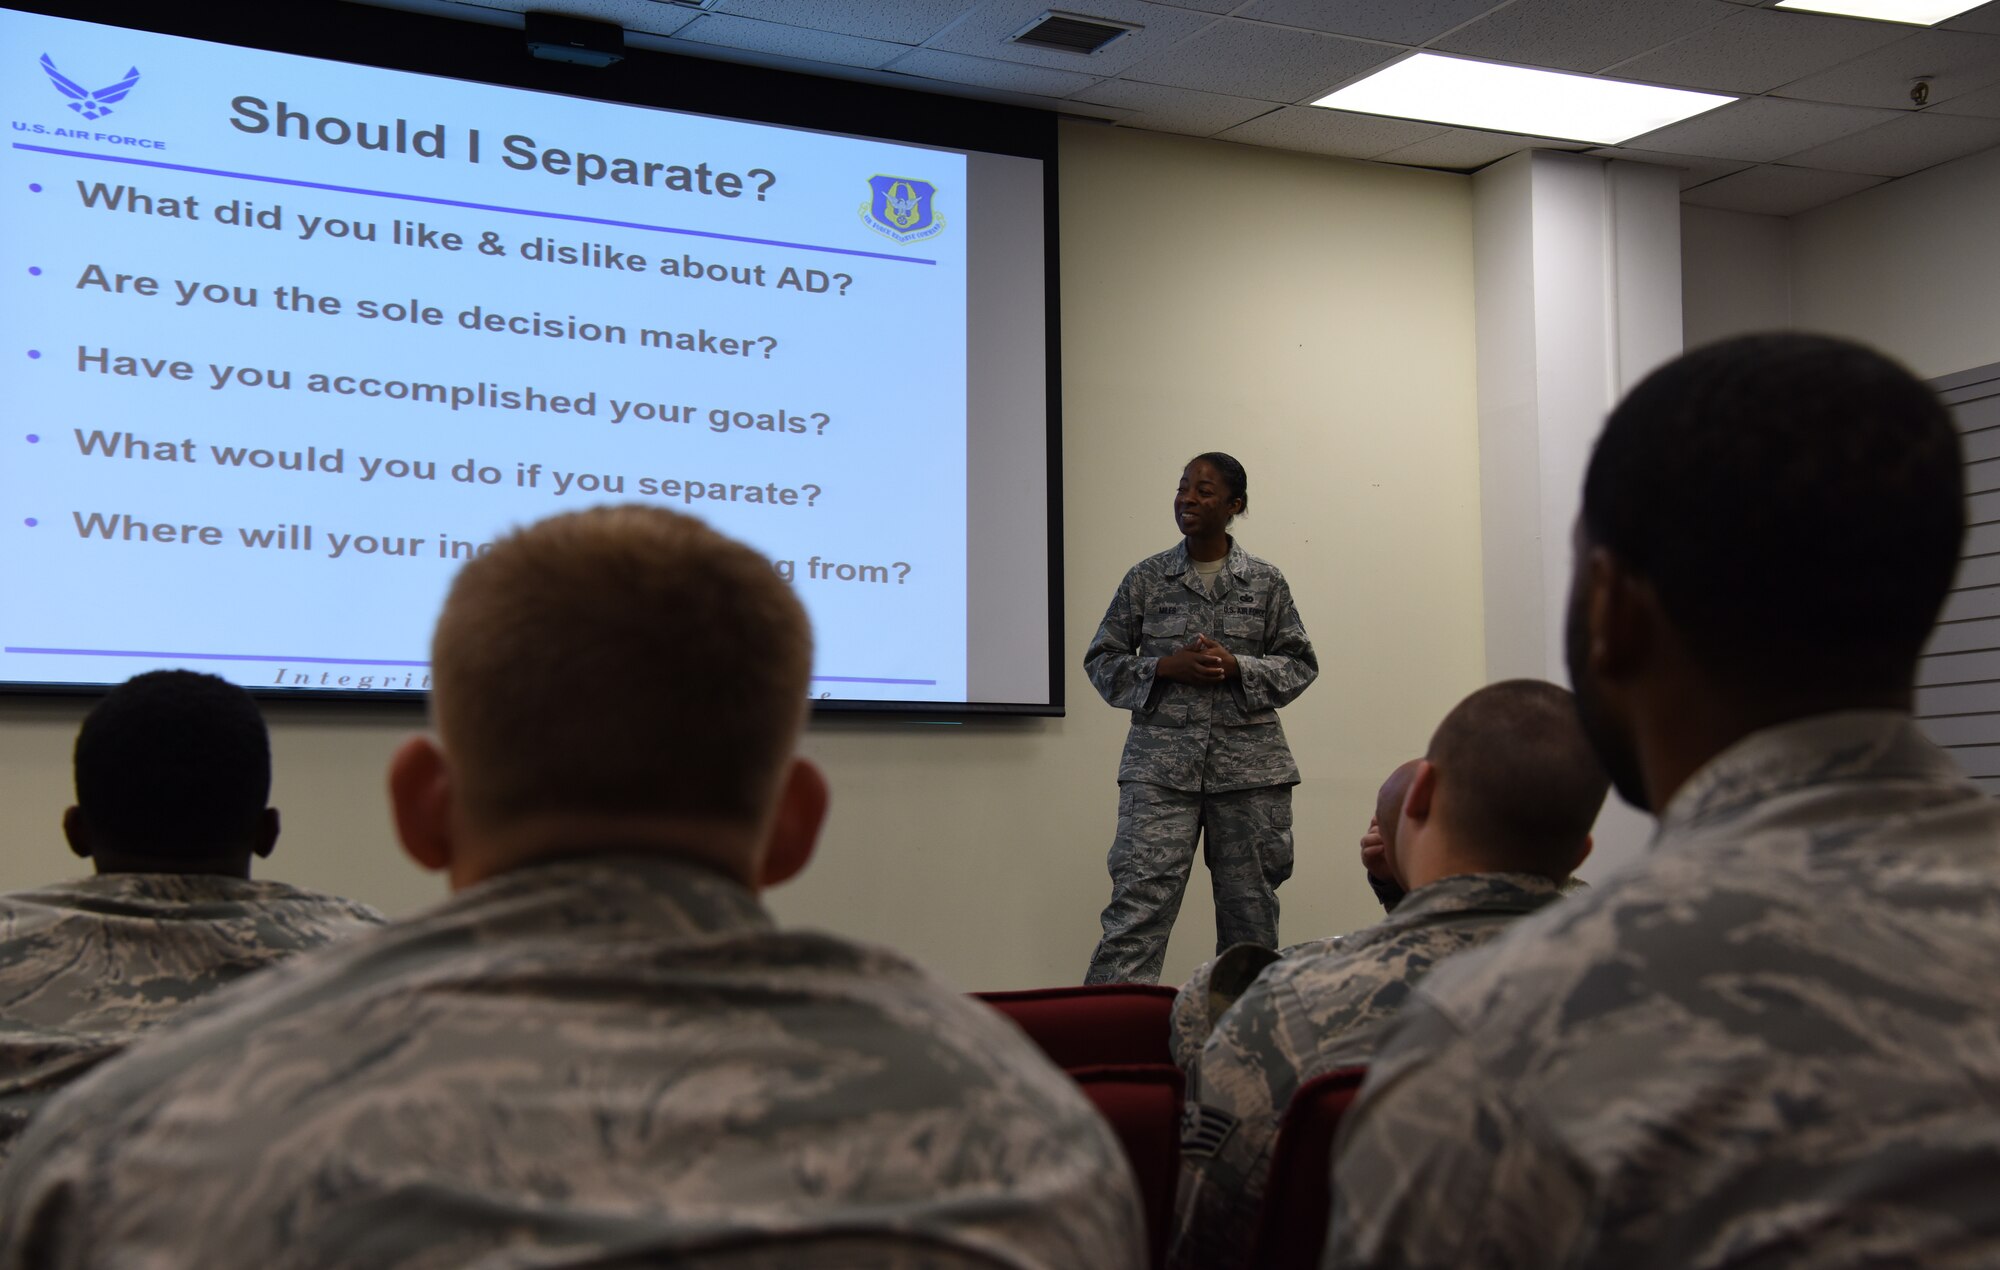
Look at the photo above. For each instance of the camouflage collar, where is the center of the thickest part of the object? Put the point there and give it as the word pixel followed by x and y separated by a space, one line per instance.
pixel 1179 562
pixel 1848 745
pixel 649 893
pixel 150 894
pixel 1462 895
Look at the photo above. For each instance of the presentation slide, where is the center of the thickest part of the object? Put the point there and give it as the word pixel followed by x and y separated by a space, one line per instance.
pixel 286 341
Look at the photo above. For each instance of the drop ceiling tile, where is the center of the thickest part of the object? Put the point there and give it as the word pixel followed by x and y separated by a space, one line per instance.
pixel 1984 103
pixel 1250 59
pixel 1336 132
pixel 1693 169
pixel 898 21
pixel 1581 35
pixel 1985 18
pixel 1166 109
pixel 1398 21
pixel 973 92
pixel 789 41
pixel 1908 143
pixel 1758 49
pixel 1073 108
pixel 1011 76
pixel 1778 191
pixel 483 14
pixel 986 28
pixel 1465 150
pixel 1955 62
pixel 1760 129
pixel 634 15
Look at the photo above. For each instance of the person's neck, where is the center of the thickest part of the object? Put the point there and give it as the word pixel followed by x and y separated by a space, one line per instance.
pixel 728 849
pixel 1208 548
pixel 1696 726
pixel 1436 855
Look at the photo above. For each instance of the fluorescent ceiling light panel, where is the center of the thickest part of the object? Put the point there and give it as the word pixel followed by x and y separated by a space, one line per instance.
pixel 1914 12
pixel 1535 103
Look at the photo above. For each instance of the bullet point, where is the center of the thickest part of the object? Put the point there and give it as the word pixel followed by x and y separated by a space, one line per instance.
pixel 34 189
pixel 34 271
pixel 31 522
pixel 34 353
pixel 32 438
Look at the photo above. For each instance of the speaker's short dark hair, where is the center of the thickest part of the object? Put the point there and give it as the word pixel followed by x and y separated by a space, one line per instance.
pixel 1519 775
pixel 1796 501
pixel 174 765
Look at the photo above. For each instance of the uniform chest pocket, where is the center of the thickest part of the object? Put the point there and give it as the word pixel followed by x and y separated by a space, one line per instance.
pixel 1243 632
pixel 1164 632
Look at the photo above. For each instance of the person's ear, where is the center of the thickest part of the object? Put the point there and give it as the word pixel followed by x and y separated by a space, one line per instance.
pixel 1589 841
pixel 420 802
pixel 267 833
pixel 1423 792
pixel 794 832
pixel 76 831
pixel 1412 820
pixel 1622 617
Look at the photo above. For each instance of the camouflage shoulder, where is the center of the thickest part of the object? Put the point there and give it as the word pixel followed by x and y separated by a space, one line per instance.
pixel 362 914
pixel 326 904
pixel 1214 987
pixel 1525 971
pixel 1258 564
pixel 1154 566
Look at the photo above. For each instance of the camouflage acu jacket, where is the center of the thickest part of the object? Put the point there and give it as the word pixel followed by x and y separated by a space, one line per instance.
pixel 88 965
pixel 1319 1007
pixel 1775 1041
pixel 605 1061
pixel 1197 736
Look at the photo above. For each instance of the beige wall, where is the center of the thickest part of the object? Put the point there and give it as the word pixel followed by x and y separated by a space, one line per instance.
pixel 1313 317
pixel 1736 274
pixel 1911 267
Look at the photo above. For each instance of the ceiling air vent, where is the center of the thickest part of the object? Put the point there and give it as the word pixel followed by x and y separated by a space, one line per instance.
pixel 1070 33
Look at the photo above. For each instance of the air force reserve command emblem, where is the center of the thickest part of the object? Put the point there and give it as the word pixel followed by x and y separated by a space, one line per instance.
pixel 902 208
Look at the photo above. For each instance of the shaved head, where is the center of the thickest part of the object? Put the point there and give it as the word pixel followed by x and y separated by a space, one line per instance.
pixel 1389 799
pixel 1518 777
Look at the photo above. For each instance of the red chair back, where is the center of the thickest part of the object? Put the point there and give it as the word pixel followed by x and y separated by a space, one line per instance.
pixel 1298 1200
pixel 1112 1040
pixel 1113 1024
pixel 1143 1103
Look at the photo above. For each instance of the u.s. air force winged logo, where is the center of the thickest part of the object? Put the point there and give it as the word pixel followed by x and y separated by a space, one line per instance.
pixel 90 104
pixel 902 208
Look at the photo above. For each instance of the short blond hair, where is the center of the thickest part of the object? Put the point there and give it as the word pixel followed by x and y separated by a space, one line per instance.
pixel 619 661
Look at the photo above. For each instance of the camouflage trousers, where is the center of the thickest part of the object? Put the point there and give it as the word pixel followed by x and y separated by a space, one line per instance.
pixel 1246 843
